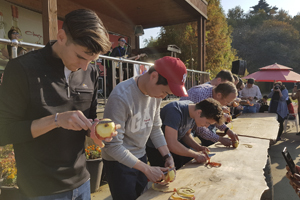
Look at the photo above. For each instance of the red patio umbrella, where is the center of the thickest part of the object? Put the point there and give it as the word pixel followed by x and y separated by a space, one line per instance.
pixel 275 72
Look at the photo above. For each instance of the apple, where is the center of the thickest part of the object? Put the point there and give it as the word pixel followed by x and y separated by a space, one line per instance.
pixel 170 176
pixel 235 104
pixel 228 117
pixel 105 130
pixel 235 144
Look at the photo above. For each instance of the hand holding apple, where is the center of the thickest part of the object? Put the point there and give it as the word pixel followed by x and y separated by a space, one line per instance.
pixel 228 117
pixel 105 130
pixel 97 138
pixel 235 144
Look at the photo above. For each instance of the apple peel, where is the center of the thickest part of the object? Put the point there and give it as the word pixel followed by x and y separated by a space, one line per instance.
pixel 183 193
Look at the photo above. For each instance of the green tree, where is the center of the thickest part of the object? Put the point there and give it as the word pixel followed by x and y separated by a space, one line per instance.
pixel 295 21
pixel 272 42
pixel 183 36
pixel 263 5
pixel 219 53
pixel 236 17
pixel 283 15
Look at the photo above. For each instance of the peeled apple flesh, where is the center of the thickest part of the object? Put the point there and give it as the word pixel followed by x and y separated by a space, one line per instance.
pixel 105 130
pixel 170 176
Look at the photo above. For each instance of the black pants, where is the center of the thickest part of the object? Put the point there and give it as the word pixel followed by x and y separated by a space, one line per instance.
pixel 280 120
pixel 156 159
pixel 124 182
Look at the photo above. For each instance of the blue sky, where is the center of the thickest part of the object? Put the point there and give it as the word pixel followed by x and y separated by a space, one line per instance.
pixel 292 6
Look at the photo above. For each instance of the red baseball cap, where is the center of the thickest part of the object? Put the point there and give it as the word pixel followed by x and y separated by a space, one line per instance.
pixel 174 70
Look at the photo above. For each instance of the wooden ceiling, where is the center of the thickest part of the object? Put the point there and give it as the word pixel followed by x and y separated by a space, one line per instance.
pixel 148 13
pixel 128 13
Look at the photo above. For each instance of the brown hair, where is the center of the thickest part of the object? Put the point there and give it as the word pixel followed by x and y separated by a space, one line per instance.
pixel 13 29
pixel 211 109
pixel 83 27
pixel 225 89
pixel 225 75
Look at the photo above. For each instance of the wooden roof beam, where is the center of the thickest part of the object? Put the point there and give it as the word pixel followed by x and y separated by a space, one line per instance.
pixel 49 17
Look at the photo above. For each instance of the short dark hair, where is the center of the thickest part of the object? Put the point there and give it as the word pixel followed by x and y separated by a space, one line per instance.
pixel 225 89
pixel 239 84
pixel 121 38
pixel 13 29
pixel 225 75
pixel 211 109
pixel 83 27
pixel 161 80
pixel 265 97
pixel 250 81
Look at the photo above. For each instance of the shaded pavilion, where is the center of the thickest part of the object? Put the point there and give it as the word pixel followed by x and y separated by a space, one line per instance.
pixel 122 16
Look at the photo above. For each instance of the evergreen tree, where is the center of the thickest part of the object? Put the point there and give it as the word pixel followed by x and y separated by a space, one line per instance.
pixel 263 5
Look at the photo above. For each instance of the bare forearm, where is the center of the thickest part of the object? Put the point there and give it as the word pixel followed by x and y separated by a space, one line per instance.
pixel 189 140
pixel 181 150
pixel 163 150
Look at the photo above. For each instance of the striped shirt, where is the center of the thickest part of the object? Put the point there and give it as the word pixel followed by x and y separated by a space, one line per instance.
pixel 199 93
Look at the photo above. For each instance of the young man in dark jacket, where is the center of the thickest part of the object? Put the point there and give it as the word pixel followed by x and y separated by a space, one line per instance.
pixel 48 101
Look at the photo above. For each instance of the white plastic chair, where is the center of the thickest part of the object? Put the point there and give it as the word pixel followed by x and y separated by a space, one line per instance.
pixel 294 121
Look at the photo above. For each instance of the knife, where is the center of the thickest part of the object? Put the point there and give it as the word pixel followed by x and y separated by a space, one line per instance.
pixel 102 122
pixel 211 154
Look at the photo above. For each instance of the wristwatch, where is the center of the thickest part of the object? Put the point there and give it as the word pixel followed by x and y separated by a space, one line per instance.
pixel 167 156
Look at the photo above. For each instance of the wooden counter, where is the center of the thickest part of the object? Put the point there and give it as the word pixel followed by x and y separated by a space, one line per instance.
pixel 241 175
pixel 256 125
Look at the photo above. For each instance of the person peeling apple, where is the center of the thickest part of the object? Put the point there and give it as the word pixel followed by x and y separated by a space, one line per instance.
pixel 48 102
pixel 135 105
pixel 179 118
pixel 224 93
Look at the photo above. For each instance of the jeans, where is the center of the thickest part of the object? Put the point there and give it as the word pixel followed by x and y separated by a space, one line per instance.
pixel 125 183
pixel 81 193
pixel 249 109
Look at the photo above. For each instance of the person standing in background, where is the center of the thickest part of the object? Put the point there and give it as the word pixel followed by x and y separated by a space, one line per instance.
pixel 296 95
pixel 278 105
pixel 13 34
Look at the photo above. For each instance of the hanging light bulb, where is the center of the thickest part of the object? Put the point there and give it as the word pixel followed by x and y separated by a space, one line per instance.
pixel 139 31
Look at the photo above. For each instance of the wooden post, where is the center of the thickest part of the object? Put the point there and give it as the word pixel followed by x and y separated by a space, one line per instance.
pixel 199 58
pixel 201 43
pixel 49 13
